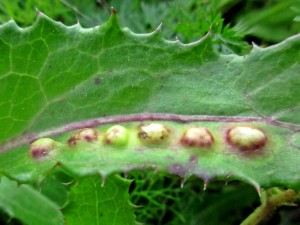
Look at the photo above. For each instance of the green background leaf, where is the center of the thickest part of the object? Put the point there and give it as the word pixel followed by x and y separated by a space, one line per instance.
pixel 93 204
pixel 28 205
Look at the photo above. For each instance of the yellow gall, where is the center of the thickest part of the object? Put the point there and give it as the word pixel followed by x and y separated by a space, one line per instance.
pixel 116 135
pixel 154 133
pixel 197 137
pixel 246 138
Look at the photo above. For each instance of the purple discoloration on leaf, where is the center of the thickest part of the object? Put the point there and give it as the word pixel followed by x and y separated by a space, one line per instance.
pixel 177 169
pixel 39 152
pixel 98 80
pixel 193 159
pixel 42 147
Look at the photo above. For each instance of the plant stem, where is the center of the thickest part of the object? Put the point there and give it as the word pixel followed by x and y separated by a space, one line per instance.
pixel 269 205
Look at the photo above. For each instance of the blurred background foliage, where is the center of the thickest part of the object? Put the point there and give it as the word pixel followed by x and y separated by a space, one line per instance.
pixel 235 25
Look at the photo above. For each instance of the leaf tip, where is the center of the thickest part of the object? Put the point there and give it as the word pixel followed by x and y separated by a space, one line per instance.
pixel 113 20
pixel 113 11
pixel 103 179
pixel 182 181
pixel 39 13
pixel 201 40
pixel 77 24
pixel 158 29
pixel 205 184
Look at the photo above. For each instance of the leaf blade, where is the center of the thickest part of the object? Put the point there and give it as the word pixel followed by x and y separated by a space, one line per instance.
pixel 27 204
pixel 90 203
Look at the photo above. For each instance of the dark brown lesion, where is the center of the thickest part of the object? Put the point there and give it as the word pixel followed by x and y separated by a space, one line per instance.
pixel 188 142
pixel 142 135
pixel 72 141
pixel 107 141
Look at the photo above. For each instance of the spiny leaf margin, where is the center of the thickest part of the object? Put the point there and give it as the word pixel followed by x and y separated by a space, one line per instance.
pixel 202 52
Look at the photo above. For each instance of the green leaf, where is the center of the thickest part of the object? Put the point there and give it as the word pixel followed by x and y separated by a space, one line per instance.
pixel 52 75
pixel 55 191
pixel 273 23
pixel 92 203
pixel 28 205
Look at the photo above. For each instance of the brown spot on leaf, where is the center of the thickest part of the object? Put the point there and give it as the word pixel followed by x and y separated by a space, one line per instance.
pixel 86 135
pixel 98 80
pixel 113 11
pixel 193 159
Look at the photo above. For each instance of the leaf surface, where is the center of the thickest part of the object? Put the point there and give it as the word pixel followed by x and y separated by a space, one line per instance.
pixel 27 204
pixel 92 203
pixel 52 75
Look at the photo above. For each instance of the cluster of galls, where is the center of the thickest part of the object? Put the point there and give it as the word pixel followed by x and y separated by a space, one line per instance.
pixel 239 137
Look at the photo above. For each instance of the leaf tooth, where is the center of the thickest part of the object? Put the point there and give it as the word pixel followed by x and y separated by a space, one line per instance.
pixel 158 29
pixel 178 40
pixel 252 182
pixel 39 13
pixel 177 169
pixel 103 178
pixel 182 181
pixel 77 24
pixel 205 184
pixel 113 10
pixel 202 39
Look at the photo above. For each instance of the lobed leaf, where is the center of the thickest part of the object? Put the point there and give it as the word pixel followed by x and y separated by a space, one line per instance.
pixel 52 75
pixel 94 203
